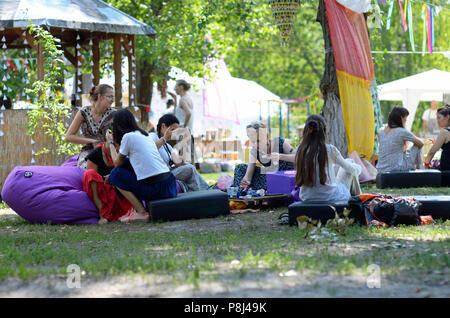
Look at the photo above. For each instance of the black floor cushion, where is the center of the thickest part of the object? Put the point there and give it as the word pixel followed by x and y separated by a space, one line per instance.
pixel 445 176
pixel 190 205
pixel 438 206
pixel 321 211
pixel 409 179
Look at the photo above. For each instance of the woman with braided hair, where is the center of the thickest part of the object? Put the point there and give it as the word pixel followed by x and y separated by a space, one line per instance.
pixel 315 161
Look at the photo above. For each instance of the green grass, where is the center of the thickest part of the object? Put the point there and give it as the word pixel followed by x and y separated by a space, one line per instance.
pixel 221 249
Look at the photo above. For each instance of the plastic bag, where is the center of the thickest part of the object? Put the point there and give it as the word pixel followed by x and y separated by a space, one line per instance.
pixel 367 174
pixel 225 181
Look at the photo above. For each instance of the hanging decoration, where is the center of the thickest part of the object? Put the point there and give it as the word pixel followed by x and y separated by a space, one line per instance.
pixel 402 12
pixel 410 23
pixel 391 8
pixel 427 17
pixel 284 12
pixel 374 18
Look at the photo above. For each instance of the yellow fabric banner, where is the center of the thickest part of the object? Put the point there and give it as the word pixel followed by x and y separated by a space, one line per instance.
pixel 357 108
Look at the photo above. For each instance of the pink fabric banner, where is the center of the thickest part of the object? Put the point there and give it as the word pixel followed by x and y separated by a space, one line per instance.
pixel 350 41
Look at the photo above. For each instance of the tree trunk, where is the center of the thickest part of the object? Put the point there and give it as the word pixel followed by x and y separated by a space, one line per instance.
pixel 332 110
pixel 144 90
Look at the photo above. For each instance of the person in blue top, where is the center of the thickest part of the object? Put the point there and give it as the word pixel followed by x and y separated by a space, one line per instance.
pixel 442 140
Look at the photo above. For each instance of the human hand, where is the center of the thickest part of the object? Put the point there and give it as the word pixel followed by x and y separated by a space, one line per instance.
pixel 109 136
pixel 275 157
pixel 168 133
pixel 245 183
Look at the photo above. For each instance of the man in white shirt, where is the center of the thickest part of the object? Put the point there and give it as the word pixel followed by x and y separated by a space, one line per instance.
pixel 430 126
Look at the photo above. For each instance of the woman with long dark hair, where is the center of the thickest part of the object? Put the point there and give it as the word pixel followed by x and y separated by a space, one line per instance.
pixel 393 155
pixel 185 173
pixel 442 140
pixel 151 179
pixel 314 162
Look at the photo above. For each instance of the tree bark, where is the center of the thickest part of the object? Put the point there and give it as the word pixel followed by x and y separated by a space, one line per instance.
pixel 144 89
pixel 332 109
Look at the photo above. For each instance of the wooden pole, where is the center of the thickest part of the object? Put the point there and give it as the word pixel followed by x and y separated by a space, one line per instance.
pixel 118 70
pixel 131 73
pixel 96 60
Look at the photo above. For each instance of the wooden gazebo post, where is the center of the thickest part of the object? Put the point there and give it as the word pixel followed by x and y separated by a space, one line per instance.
pixel 118 70
pixel 128 45
pixel 96 61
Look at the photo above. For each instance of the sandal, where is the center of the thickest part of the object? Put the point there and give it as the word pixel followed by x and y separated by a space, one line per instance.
pixel 283 219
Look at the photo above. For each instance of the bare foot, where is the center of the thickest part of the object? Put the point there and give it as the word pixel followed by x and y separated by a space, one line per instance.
pixel 102 221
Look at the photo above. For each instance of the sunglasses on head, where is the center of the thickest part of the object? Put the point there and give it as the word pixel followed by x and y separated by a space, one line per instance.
pixel 255 126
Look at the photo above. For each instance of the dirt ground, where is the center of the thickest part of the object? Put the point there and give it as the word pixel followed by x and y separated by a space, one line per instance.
pixel 255 284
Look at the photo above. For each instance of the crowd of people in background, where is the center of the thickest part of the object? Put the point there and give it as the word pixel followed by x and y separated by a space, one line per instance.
pixel 127 165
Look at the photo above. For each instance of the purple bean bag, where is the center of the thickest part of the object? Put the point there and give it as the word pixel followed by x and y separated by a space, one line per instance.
pixel 49 194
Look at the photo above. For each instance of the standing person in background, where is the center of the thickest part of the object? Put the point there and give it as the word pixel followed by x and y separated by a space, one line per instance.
pixel 184 111
pixel 94 121
pixel 430 125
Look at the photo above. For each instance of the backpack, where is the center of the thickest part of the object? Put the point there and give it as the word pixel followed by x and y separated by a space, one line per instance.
pixel 385 211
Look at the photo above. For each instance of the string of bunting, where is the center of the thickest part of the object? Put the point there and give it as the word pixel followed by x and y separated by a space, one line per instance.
pixel 429 11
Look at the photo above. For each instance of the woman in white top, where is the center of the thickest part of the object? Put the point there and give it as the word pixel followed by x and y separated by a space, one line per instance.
pixel 393 155
pixel 184 111
pixel 315 161
pixel 185 173
pixel 151 178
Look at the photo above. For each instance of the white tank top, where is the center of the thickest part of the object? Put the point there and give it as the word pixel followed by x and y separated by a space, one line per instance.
pixel 181 115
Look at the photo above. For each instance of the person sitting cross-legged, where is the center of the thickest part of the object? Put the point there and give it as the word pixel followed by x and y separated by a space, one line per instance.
pixel 185 173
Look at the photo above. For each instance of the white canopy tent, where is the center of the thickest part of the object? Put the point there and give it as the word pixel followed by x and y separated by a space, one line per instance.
pixel 225 102
pixel 427 86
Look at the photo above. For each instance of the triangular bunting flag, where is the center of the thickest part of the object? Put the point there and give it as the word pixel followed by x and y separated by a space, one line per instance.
pixel 32 142
pixel 1 115
pixel 1 133
pixel 32 152
pixel 136 108
pixel 3 39
pixel 4 46
pixel 3 108
pixel 32 160
pixel 25 42
pixel 2 122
